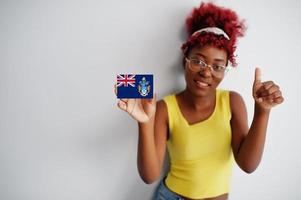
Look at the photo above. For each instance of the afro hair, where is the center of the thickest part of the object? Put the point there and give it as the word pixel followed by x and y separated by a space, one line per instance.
pixel 211 15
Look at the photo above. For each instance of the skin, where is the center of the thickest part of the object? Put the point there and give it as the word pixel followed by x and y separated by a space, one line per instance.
pixel 197 104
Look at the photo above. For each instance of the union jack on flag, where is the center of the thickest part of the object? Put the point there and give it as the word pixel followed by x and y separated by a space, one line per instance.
pixel 135 86
pixel 125 80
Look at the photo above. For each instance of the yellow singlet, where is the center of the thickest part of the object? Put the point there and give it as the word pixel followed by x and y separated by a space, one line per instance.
pixel 201 156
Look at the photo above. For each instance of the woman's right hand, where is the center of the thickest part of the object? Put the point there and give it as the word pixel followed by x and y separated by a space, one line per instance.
pixel 142 110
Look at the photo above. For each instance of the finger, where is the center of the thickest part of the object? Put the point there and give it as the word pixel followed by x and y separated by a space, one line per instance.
pixel 273 97
pixel 124 100
pixel 271 90
pixel 153 100
pixel 276 94
pixel 132 106
pixel 275 101
pixel 257 78
pixel 265 86
pixel 115 89
pixel 122 105
pixel 150 100
pixel 269 99
pixel 260 99
pixel 279 100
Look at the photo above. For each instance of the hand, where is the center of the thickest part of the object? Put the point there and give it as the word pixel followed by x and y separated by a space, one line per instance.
pixel 142 110
pixel 266 94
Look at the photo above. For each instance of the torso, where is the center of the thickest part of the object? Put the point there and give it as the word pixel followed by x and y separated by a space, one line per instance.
pixel 193 117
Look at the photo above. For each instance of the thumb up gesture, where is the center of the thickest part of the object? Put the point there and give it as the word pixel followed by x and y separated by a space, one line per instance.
pixel 266 94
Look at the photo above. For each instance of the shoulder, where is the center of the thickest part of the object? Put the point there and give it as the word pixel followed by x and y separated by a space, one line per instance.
pixel 166 102
pixel 236 101
pixel 235 96
pixel 161 109
pixel 165 106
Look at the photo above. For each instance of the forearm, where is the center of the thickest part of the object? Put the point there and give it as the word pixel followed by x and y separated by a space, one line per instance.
pixel 251 149
pixel 147 159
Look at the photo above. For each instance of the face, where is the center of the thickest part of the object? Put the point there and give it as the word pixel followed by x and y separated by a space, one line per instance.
pixel 202 83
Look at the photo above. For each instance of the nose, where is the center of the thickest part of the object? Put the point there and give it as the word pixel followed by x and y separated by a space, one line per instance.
pixel 205 72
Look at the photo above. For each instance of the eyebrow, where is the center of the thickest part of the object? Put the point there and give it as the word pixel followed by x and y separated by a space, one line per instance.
pixel 215 59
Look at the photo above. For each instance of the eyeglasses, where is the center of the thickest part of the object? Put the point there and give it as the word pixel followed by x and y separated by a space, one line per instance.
pixel 196 65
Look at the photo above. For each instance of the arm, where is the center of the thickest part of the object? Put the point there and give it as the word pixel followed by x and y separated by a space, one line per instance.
pixel 152 145
pixel 248 144
pixel 152 121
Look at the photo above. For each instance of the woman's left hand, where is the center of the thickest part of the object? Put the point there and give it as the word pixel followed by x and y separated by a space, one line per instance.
pixel 266 94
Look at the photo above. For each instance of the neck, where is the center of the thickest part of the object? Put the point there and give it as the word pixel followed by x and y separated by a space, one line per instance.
pixel 198 102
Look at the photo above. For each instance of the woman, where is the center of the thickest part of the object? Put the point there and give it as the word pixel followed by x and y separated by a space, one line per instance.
pixel 204 128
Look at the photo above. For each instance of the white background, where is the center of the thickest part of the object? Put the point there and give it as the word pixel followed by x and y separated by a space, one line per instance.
pixel 61 134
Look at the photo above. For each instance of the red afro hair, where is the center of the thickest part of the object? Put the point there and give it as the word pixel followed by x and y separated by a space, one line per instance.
pixel 210 15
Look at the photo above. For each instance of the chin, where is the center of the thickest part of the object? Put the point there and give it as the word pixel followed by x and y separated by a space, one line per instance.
pixel 201 91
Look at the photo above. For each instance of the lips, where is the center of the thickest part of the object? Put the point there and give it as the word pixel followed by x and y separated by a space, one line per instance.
pixel 202 84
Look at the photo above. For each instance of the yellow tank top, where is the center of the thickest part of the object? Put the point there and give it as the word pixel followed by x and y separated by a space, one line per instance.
pixel 201 156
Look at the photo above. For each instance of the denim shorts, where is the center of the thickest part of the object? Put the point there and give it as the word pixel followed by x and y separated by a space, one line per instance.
pixel 163 193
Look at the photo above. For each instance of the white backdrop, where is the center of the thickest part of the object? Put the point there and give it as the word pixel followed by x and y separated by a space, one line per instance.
pixel 61 134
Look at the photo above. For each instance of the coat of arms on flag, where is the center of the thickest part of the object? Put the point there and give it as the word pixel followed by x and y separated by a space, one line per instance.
pixel 135 86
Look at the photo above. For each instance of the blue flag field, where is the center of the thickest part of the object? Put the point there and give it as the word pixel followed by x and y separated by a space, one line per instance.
pixel 139 86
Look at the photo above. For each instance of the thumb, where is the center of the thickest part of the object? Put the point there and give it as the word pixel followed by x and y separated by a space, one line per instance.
pixel 257 84
pixel 154 99
pixel 257 78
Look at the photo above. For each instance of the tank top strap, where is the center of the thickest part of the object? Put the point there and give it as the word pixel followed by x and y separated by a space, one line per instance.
pixel 172 110
pixel 223 106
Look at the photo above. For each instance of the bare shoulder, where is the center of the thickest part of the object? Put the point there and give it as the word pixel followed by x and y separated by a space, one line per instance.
pixel 235 96
pixel 236 101
pixel 161 111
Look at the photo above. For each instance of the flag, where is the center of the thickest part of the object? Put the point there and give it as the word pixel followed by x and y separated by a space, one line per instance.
pixel 135 86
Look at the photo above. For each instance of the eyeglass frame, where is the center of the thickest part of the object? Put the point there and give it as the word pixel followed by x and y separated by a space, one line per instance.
pixel 225 67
